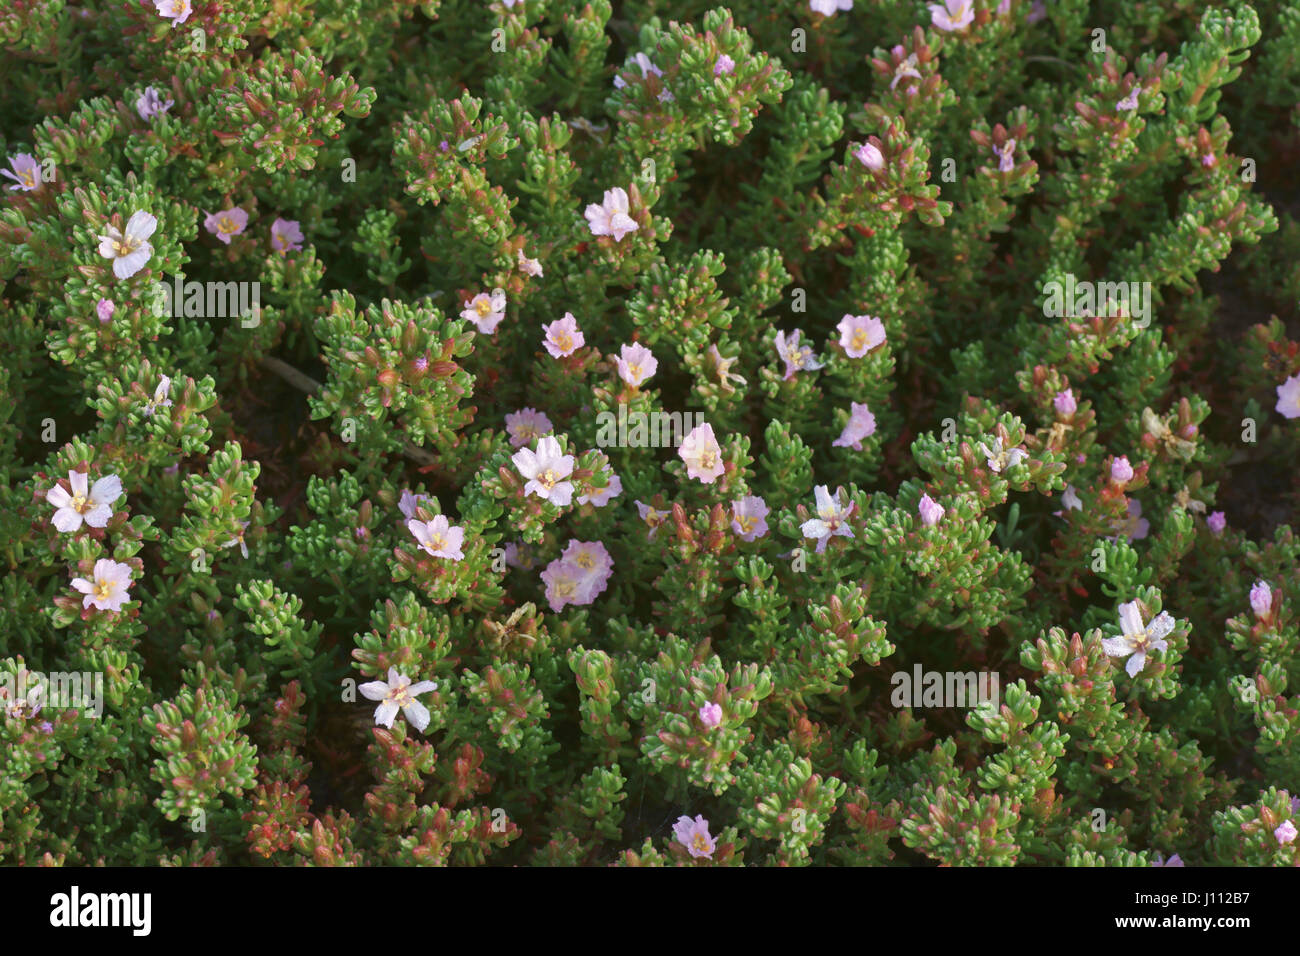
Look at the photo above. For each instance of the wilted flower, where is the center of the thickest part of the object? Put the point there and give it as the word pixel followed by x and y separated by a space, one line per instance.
pixel 651 517
pixel 611 217
pixel 439 537
pixel 546 470
pixel 604 496
pixel 860 425
pixel 130 250
pixel 94 507
pixel 226 224
pixel 525 425
pixel 529 266
pixel 151 104
pixel 178 11
pixel 646 67
pixel 796 357
pixel 1261 599
pixel 1071 499
pixel 1137 639
pixel 952 15
pixel 694 834
pixel 832 518
pixel 1006 155
pixel 1288 397
pixel 1130 102
pixel 749 517
pixel 26 172
pixel 160 399
pixel 398 693
pixel 930 510
pixel 107 590
pixel 907 69
pixel 859 334
pixel 409 501
pixel 635 364
pixel 563 337
pixel 710 715
pixel 286 236
pixel 485 311
pixel 702 454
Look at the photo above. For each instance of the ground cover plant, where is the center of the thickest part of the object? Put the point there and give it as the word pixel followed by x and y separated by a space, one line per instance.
pixel 557 432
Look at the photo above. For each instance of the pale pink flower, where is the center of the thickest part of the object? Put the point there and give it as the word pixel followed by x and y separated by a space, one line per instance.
pixel 952 15
pixel 832 518
pixel 859 334
pixel 1285 833
pixel 797 357
pixel 565 584
pixel 486 311
pixel 1129 102
pixel 105 308
pixel 398 693
pixel 26 172
pixel 94 507
pixel 409 501
pixel 1065 403
pixel 519 555
pixel 694 834
pixel 546 470
pixel 827 8
pixel 1121 471
pixel 998 458
pixel 1071 499
pixel 931 511
pixel 724 66
pixel 611 218
pixel 646 67
pixel 1136 638
pixel 651 517
pixel 907 69
pixel 439 537
pixel 860 425
pixel 286 236
pixel 107 590
pixel 563 337
pixel 1036 12
pixel 238 539
pixel 636 363
pixel 160 399
pixel 749 517
pixel 702 454
pixel 1216 522
pixel 604 496
pixel 1174 860
pixel 130 250
pixel 525 425
pixel 529 266
pixel 1288 397
pixel 1006 156
pixel 593 563
pixel 150 104
pixel 870 156
pixel 178 11
pixel 226 224
pixel 1135 527
pixel 710 715
pixel 1261 599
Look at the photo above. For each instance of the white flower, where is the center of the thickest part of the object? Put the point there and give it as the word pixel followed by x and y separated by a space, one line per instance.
pixel 998 459
pixel 611 217
pixel 107 590
pixel 831 520
pixel 93 507
pixel 398 693
pixel 129 251
pixel 1137 639
pixel 160 399
pixel 546 471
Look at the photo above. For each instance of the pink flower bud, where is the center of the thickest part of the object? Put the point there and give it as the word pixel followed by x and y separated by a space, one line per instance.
pixel 1261 599
pixel 711 715
pixel 1121 471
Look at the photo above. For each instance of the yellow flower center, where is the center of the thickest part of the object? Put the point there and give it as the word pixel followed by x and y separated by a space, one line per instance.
pixel 80 503
pixel 548 478
pixel 227 226
pixel 860 339
pixel 102 588
pixel 708 459
pixel 125 246
pixel 563 341
pixel 483 306
pixel 436 542
pixel 585 561
pixel 746 524
pixel 29 178
pixel 699 843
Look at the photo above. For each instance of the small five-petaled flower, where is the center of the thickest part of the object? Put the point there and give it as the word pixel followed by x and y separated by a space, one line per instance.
pixel 1138 638
pixel 398 693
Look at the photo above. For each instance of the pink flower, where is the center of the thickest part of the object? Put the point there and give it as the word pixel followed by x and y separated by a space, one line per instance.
pixel 605 496
pixel 439 537
pixel 178 11
pixel 651 517
pixel 519 555
pixel 565 584
pixel 611 218
pixel 94 507
pixel 529 266
pixel 870 156
pixel 1288 397
pixel 563 337
pixel 636 363
pixel 1065 403
pixel 710 715
pixel 26 172
pixel 861 424
pixel 931 511
pixel 1136 527
pixel 546 470
pixel 749 517
pixel 1006 156
pixel 408 502
pixel 1121 471
pixel 1216 522
pixel 227 223
pixel 797 357
pixel 694 834
pixel 1136 638
pixel 1285 833
pixel 859 334
pixel 952 15
pixel 107 590
pixel 1129 102
pixel 129 251
pixel 1174 860
pixel 1208 160
pixel 906 69
pixel 525 425
pixel 1071 500
pixel 593 563
pixel 485 311
pixel 702 454
pixel 827 8
pixel 398 693
pixel 151 104
pixel 832 518
pixel 105 308
pixel 286 236
pixel 1261 599
pixel 724 66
